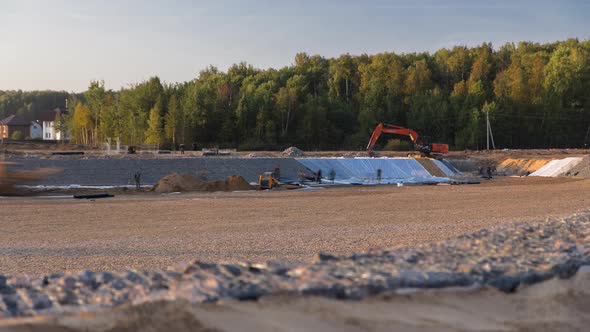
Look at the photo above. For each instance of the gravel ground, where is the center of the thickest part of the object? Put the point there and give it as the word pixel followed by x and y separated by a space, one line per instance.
pixel 157 231
pixel 504 258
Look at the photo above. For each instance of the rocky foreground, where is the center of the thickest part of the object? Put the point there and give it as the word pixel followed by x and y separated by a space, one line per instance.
pixel 503 258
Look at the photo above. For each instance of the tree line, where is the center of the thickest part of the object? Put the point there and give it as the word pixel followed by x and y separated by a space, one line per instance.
pixel 30 104
pixel 536 96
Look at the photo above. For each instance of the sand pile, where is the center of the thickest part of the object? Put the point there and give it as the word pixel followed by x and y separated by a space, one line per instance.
pixel 231 183
pixel 179 182
pixel 558 167
pixel 521 166
pixel 236 182
pixel 293 152
pixel 185 182
pixel 581 170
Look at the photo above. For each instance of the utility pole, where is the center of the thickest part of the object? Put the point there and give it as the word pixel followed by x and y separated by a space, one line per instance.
pixel 487 130
pixel 489 134
pixel 492 136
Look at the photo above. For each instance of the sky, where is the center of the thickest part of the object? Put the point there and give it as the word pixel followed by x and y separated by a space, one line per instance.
pixel 64 44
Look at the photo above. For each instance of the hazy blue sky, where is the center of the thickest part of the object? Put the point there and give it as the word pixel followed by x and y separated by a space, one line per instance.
pixel 63 44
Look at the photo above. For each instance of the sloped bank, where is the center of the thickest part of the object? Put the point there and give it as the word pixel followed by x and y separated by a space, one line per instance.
pixel 365 170
pixel 557 167
pixel 503 258
pixel 571 167
pixel 122 171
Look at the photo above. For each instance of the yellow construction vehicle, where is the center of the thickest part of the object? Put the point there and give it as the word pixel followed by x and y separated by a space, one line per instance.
pixel 267 180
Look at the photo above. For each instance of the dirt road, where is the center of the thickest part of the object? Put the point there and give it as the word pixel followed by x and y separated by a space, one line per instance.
pixel 52 235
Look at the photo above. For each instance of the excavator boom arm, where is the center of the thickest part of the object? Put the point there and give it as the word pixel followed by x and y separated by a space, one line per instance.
pixel 418 143
pixel 391 129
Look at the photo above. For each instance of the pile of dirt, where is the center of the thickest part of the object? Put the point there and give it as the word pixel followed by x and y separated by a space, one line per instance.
pixel 293 152
pixel 581 170
pixel 512 166
pixel 236 182
pixel 180 182
pixel 557 167
pixel 231 183
pixel 185 182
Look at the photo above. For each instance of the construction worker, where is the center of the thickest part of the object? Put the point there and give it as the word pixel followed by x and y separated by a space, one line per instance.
pixel 137 177
pixel 332 175
pixel 301 175
pixel 318 178
pixel 379 175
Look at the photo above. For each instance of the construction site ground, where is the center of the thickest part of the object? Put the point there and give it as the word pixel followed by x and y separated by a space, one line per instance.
pixel 44 235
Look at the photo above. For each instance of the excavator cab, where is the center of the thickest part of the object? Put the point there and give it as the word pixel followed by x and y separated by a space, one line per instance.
pixel 434 148
pixel 439 148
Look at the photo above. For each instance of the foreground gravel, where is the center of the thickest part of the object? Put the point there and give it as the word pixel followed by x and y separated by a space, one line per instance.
pixel 504 258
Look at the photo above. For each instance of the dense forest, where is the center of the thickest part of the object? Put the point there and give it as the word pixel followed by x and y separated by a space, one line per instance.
pixel 536 96
pixel 31 104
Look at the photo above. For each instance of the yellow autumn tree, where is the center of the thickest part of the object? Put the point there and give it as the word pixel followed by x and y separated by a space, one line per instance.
pixel 154 133
pixel 81 124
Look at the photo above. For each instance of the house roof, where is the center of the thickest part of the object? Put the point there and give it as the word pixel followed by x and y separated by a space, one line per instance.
pixel 14 120
pixel 51 115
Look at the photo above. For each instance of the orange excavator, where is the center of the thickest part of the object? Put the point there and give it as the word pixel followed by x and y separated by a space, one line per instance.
pixel 425 149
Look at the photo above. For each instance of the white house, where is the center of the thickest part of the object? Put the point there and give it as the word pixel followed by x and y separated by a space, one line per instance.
pixel 51 131
pixel 36 130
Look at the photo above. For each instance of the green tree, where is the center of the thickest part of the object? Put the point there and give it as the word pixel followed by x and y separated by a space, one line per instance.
pixel 153 134
pixel 173 120
pixel 417 78
pixel 95 96
pixel 541 94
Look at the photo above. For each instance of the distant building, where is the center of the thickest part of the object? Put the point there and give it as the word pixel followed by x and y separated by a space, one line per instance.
pixel 50 123
pixel 12 124
pixel 36 130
